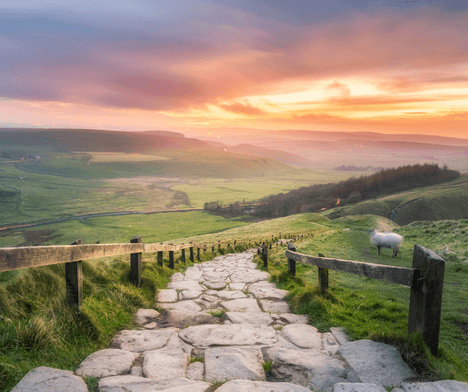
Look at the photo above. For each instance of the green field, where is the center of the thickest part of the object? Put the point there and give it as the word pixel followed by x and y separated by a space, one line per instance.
pixel 62 185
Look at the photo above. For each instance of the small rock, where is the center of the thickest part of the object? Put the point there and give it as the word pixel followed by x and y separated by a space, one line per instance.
pixel 145 316
pixel 242 305
pixel 215 285
pixel 275 307
pixel 195 371
pixel 167 296
pixel 183 318
pixel 177 277
pixel 255 318
pixel 185 285
pixel 329 343
pixel 188 294
pixel 230 363
pixel 105 363
pixel 165 365
pixel 46 379
pixel 303 336
pixel 150 326
pixel 136 371
pixel 291 318
pixel 188 306
pixel 340 335
pixel 231 294
pixel 139 341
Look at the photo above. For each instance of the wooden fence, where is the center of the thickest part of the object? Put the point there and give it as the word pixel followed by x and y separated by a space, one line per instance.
pixel 73 255
pixel 425 278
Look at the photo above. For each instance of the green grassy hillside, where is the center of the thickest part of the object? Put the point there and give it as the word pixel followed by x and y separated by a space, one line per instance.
pixel 438 202
pixel 37 328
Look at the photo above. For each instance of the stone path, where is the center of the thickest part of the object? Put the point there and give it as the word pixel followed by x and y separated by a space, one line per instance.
pixel 226 328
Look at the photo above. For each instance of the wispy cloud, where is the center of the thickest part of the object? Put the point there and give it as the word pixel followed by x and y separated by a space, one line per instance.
pixel 185 56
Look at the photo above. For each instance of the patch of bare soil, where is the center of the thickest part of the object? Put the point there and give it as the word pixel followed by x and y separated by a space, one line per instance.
pixel 38 237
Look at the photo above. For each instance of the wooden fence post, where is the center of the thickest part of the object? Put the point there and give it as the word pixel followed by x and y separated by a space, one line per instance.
pixel 135 263
pixel 235 242
pixel 426 296
pixel 191 254
pixel 323 277
pixel 74 281
pixel 160 258
pixel 265 256
pixel 198 254
pixel 183 255
pixel 171 259
pixel 291 262
pixel 219 246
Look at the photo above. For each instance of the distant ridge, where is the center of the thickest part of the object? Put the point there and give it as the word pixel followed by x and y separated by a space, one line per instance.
pixel 163 133
pixel 98 140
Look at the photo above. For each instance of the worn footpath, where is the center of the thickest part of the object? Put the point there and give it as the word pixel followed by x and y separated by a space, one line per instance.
pixel 227 329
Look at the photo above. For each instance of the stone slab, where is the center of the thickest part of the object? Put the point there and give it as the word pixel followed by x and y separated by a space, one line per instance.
pixel 145 316
pixel 275 307
pixel 255 318
pixel 228 335
pixel 105 363
pixel 291 318
pixel 169 295
pixel 436 386
pixel 188 305
pixel 264 290
pixel 142 384
pixel 357 387
pixel 46 379
pixel 231 294
pixel 309 368
pixel 165 365
pixel 185 285
pixel 260 386
pixel 242 305
pixel 231 363
pixel 376 363
pixel 139 341
pixel 189 294
pixel 183 319
pixel 195 371
pixel 303 336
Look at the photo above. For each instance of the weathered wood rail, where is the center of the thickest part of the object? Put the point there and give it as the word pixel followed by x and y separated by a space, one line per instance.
pixel 73 255
pixel 425 278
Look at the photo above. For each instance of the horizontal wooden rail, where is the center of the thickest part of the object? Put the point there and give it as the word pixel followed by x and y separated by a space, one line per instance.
pixel 426 280
pixel 399 275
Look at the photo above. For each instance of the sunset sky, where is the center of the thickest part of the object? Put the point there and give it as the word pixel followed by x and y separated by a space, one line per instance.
pixel 385 66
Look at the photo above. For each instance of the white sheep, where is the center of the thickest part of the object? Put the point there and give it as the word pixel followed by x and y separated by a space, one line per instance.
pixel 386 240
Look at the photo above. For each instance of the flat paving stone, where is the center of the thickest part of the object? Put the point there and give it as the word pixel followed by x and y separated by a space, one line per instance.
pixel 255 318
pixel 228 335
pixel 376 363
pixel 291 318
pixel 357 387
pixel 230 294
pixel 242 305
pixel 164 364
pixel 195 371
pixel 189 294
pixel 184 318
pixel 139 341
pixel 215 285
pixel 188 305
pixel 169 295
pixel 46 379
pixel 185 285
pixel 436 386
pixel 231 363
pixel 105 363
pixel 303 336
pixel 260 386
pixel 146 316
pixel 264 290
pixel 275 307
pixel 142 384
pixel 249 276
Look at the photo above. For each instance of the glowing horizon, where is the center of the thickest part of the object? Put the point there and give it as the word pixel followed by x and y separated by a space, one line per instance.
pixel 191 65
